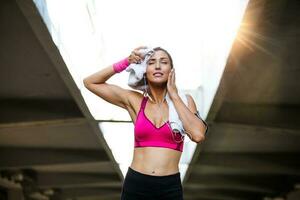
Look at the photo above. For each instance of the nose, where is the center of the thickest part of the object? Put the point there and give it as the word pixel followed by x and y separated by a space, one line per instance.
pixel 157 65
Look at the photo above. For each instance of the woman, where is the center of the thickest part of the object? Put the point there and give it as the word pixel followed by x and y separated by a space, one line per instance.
pixel 154 172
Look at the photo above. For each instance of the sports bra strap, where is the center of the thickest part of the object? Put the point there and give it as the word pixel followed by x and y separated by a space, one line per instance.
pixel 144 101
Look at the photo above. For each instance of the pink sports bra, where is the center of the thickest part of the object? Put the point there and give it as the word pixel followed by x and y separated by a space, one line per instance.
pixel 146 134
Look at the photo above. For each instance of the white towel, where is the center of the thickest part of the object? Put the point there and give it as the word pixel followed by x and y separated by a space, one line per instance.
pixel 137 71
pixel 135 81
pixel 174 119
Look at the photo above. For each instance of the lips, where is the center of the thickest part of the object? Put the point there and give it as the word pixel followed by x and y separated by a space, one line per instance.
pixel 157 74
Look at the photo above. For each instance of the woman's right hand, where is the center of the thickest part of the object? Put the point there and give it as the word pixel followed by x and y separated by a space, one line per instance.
pixel 136 56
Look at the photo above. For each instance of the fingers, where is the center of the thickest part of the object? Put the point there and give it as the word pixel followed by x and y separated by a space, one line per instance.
pixel 138 52
pixel 135 57
pixel 172 76
pixel 169 77
pixel 171 85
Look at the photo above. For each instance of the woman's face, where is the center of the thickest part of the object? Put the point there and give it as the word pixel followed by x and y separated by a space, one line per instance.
pixel 158 68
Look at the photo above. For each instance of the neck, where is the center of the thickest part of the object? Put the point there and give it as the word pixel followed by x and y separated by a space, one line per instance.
pixel 157 94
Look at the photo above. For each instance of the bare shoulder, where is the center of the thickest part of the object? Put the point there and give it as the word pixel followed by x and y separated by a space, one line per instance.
pixel 191 103
pixel 134 100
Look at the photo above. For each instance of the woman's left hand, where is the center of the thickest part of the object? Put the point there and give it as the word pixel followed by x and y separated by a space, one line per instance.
pixel 171 86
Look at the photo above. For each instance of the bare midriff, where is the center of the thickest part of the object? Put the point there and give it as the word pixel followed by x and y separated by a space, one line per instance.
pixel 156 161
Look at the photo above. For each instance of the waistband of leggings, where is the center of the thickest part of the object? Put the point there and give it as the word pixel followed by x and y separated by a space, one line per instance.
pixel 170 176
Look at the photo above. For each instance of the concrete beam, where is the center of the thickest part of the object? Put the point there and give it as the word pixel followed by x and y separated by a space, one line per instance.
pixel 28 157
pixel 268 115
pixel 78 180
pixel 230 184
pixel 281 163
pixel 228 137
pixel 26 110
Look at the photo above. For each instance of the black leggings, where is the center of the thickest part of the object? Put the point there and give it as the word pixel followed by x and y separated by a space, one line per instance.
pixel 140 186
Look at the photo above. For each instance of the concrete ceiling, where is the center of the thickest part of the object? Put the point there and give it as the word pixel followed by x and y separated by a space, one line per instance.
pixel 48 136
pixel 47 133
pixel 252 150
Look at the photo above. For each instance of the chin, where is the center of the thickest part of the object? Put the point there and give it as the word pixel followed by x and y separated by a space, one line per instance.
pixel 158 82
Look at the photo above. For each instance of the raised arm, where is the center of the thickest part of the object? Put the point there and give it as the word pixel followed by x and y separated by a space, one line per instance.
pixel 96 83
